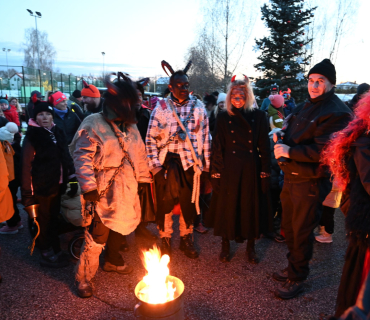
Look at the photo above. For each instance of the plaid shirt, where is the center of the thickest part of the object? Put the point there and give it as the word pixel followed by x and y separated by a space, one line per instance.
pixel 153 140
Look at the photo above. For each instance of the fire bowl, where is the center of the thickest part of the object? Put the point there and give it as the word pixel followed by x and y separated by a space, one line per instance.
pixel 170 310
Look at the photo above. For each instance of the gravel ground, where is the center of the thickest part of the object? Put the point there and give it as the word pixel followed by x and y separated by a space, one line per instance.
pixel 213 290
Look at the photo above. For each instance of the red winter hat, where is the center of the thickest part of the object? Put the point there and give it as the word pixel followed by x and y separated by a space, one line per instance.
pixel 89 90
pixel 277 100
pixel 57 98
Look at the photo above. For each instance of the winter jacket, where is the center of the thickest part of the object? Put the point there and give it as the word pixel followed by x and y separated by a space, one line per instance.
pixel 97 154
pixel 6 200
pixel 307 130
pixel 69 124
pixel 276 117
pixel 143 117
pixel 3 121
pixel 8 153
pixel 289 107
pixel 29 110
pixel 45 164
pixel 76 106
pixel 12 115
pixel 265 104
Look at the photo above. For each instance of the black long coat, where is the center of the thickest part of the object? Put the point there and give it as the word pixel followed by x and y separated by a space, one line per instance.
pixel 240 152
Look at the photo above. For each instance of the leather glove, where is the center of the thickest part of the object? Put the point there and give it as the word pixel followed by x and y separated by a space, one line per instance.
pixel 73 183
pixel 91 196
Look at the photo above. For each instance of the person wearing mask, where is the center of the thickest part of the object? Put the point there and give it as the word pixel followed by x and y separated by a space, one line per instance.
pixel 219 107
pixel 75 103
pixel 64 117
pixel 209 103
pixel 47 167
pixel 240 170
pixel 91 99
pixel 274 89
pixel 9 111
pixel 361 90
pixel 177 139
pixel 306 183
pixel 110 160
pixel 30 105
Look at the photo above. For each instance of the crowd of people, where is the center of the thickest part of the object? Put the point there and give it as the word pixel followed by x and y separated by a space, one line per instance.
pixel 219 162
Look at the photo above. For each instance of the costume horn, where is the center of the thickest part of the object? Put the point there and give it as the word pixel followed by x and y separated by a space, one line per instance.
pixel 165 64
pixel 143 81
pixel 188 67
pixel 85 83
pixel 289 91
pixel 281 93
pixel 246 78
pixel 233 78
pixel 112 89
pixel 124 76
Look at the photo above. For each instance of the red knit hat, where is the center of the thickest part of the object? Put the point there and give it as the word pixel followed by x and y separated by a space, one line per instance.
pixel 57 98
pixel 277 100
pixel 90 90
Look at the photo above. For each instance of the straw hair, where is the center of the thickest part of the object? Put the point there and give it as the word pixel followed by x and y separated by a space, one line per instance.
pixel 248 94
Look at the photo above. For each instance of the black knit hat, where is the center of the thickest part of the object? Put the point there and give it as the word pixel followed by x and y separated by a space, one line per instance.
pixel 40 106
pixel 362 88
pixel 325 68
pixel 77 94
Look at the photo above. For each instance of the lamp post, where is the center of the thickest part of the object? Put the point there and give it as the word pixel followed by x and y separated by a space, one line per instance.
pixel 6 53
pixel 37 15
pixel 1 85
pixel 103 53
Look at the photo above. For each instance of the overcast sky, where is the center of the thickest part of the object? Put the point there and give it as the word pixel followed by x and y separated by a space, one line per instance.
pixel 137 35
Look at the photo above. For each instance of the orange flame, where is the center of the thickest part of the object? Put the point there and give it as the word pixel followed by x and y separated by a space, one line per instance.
pixel 158 289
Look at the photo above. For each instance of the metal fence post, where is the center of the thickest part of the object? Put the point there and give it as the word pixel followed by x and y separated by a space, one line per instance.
pixel 40 78
pixel 51 78
pixel 24 84
pixel 61 81
pixel 69 83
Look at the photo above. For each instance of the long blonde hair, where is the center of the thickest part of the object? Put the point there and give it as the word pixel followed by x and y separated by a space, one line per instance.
pixel 17 105
pixel 244 85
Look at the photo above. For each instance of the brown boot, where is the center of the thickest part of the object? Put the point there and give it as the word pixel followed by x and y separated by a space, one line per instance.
pixel 187 245
pixel 251 253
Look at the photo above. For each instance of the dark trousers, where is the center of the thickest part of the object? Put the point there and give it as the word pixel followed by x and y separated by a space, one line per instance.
pixel 47 217
pixel 327 219
pixel 302 205
pixel 13 186
pixel 113 240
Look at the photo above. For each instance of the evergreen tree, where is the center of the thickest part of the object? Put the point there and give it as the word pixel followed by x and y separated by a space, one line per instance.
pixel 284 52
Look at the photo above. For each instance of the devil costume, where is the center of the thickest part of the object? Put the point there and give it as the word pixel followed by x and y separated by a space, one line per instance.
pixel 177 164
pixel 110 158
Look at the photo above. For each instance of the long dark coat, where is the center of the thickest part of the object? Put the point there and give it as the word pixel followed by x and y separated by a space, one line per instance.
pixel 240 152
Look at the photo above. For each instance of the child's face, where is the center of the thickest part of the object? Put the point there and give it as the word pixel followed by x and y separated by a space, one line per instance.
pixel 4 106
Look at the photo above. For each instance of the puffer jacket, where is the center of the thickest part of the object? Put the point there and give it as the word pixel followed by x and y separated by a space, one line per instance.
pixel 12 115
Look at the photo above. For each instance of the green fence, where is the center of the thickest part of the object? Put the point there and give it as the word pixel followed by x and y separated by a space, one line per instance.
pixel 19 82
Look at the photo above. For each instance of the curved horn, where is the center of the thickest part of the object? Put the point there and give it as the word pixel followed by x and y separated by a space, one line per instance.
pixel 186 69
pixel 289 91
pixel 143 81
pixel 112 89
pixel 233 78
pixel 281 93
pixel 246 78
pixel 165 64
pixel 124 77
pixel 6 97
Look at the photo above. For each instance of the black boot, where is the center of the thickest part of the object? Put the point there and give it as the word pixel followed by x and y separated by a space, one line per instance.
pixel 142 231
pixel 186 245
pixel 52 260
pixel 251 253
pixel 124 246
pixel 225 250
pixel 84 289
pixel 166 246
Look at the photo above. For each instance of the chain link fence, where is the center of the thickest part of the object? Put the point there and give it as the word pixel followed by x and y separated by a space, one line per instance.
pixel 20 81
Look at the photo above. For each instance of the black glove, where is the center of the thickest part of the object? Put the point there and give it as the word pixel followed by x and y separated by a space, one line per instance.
pixel 73 183
pixel 91 196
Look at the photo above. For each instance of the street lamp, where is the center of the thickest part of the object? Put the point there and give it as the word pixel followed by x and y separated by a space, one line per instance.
pixel 103 53
pixel 6 52
pixel 37 15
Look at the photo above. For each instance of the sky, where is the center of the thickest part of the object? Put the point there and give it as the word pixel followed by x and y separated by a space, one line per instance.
pixel 137 35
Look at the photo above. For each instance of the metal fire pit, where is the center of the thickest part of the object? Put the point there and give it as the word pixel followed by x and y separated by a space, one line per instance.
pixel 171 310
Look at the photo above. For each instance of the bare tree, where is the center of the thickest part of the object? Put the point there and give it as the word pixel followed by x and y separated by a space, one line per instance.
pixel 46 49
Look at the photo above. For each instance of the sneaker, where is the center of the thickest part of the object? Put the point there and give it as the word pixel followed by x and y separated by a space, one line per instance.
pixel 319 230
pixel 8 230
pixel 289 290
pixel 19 225
pixel 201 228
pixel 125 269
pixel 323 238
